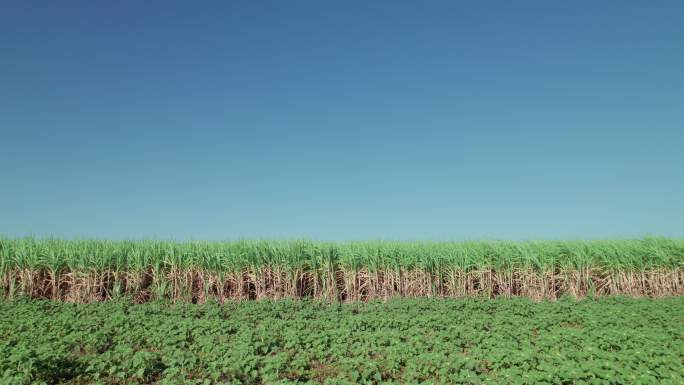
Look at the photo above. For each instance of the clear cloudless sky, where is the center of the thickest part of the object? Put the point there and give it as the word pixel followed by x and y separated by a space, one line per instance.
pixel 342 120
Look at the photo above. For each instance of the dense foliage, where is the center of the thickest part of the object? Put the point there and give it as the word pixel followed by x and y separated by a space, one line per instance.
pixel 74 255
pixel 612 340
pixel 93 270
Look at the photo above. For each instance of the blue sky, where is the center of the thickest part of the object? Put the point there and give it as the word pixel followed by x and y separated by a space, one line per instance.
pixel 342 120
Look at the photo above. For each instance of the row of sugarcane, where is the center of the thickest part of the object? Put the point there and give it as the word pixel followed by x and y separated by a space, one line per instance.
pixel 92 270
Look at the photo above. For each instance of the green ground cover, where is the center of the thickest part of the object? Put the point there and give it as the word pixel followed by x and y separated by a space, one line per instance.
pixel 612 340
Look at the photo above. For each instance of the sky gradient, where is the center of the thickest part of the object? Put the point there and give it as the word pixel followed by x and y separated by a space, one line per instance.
pixel 342 120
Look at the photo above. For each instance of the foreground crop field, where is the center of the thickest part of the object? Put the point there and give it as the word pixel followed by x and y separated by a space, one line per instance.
pixel 614 340
pixel 85 271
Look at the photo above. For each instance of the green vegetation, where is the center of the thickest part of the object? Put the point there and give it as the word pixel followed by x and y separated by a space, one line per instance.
pixel 616 340
pixel 90 270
